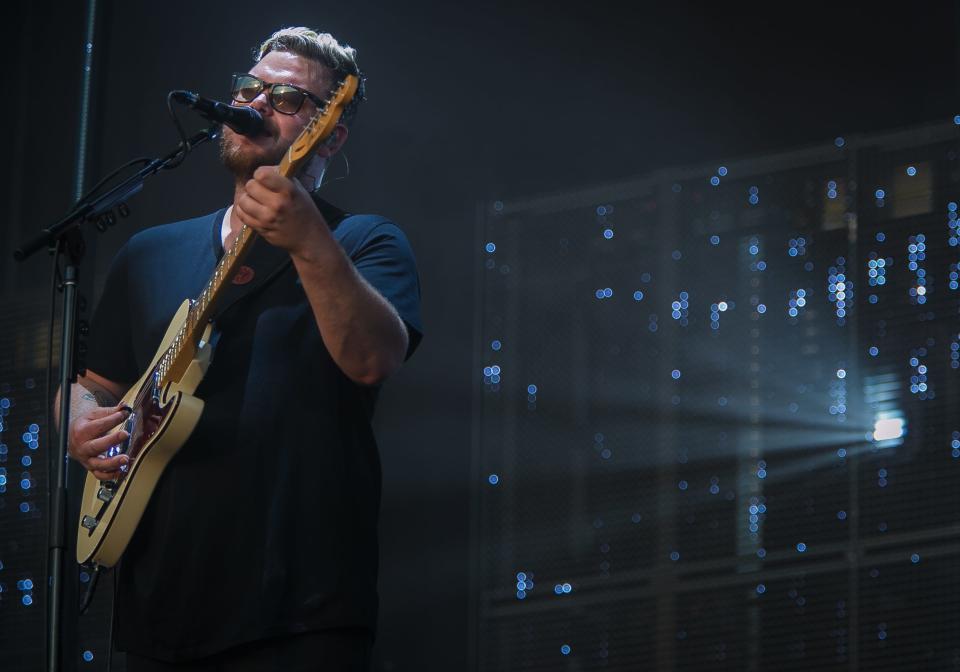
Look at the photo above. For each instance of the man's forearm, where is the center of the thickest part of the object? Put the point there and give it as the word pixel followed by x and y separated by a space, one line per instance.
pixel 82 401
pixel 361 330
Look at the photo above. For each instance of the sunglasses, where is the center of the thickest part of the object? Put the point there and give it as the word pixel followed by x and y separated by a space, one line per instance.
pixel 284 98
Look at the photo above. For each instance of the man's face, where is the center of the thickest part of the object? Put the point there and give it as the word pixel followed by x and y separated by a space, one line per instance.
pixel 242 155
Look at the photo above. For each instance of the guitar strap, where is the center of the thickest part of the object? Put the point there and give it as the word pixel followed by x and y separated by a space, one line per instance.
pixel 264 263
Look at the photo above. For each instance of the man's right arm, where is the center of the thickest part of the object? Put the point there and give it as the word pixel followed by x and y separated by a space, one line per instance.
pixel 94 411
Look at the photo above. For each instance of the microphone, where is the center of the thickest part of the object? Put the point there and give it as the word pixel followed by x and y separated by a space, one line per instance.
pixel 243 120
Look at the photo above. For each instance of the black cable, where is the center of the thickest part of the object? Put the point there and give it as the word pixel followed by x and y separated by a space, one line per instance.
pixel 142 161
pixel 91 589
pixel 113 617
pixel 184 142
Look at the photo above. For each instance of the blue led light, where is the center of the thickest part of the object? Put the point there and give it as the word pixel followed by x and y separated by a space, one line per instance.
pixel 490 247
pixel 714 180
pixel 674 555
pixel 880 193
pixel 839 289
pixel 916 253
pixel 714 240
pixel 675 374
pixel 761 589
pixel 839 141
pixel 638 295
pixel 680 309
pixel 24 507
pixel 565 649
pixel 722 171
pixel 531 389
pixel 911 171
pixel 915 558
pixel 801 547
pixel 919 383
pixel 493 479
pixel 841 515
pixel 496 345
pixel 88 656
pixel 27 600
pixel 676 255
pixel 608 233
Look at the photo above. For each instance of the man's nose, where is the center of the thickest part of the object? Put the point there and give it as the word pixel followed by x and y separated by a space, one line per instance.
pixel 262 103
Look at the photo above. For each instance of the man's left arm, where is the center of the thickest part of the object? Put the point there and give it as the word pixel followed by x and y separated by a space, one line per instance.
pixel 362 331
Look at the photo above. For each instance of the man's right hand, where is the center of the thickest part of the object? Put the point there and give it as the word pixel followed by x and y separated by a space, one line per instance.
pixel 90 436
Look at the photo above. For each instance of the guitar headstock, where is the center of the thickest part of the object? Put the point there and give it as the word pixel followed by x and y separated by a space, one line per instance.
pixel 319 128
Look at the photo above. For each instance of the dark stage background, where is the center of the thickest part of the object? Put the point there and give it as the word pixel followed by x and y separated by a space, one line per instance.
pixel 470 105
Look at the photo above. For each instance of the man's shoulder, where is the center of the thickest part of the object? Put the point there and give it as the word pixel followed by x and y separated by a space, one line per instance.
pixel 187 233
pixel 356 231
pixel 352 229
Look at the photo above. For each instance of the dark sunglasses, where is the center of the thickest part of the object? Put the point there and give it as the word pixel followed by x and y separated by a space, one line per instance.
pixel 284 98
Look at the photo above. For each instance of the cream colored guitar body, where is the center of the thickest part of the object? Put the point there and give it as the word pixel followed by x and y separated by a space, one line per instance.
pixel 160 423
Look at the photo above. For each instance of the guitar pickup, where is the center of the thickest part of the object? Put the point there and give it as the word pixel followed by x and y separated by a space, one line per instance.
pixel 89 522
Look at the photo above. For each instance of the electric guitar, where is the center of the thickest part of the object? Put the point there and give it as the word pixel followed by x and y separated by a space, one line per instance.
pixel 164 411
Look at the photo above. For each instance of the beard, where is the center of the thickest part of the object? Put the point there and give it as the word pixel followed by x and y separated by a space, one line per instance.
pixel 244 161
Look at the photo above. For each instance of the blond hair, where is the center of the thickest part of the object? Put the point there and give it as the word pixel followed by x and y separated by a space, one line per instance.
pixel 323 48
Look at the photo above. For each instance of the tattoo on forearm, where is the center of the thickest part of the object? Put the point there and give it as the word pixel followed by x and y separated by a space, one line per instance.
pixel 100 397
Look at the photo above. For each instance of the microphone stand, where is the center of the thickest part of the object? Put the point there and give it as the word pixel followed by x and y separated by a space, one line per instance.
pixel 66 236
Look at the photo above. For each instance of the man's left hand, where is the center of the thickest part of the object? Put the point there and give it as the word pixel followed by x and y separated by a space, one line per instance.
pixel 281 211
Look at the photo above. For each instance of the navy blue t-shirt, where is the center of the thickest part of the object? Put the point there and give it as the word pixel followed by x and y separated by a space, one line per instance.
pixel 264 523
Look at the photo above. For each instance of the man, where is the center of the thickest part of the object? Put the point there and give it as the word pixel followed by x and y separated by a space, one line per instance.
pixel 258 548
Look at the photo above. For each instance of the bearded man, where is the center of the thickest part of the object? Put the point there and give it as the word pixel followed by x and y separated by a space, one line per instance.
pixel 258 548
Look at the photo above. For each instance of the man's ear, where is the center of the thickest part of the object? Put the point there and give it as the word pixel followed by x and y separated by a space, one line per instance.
pixel 334 141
